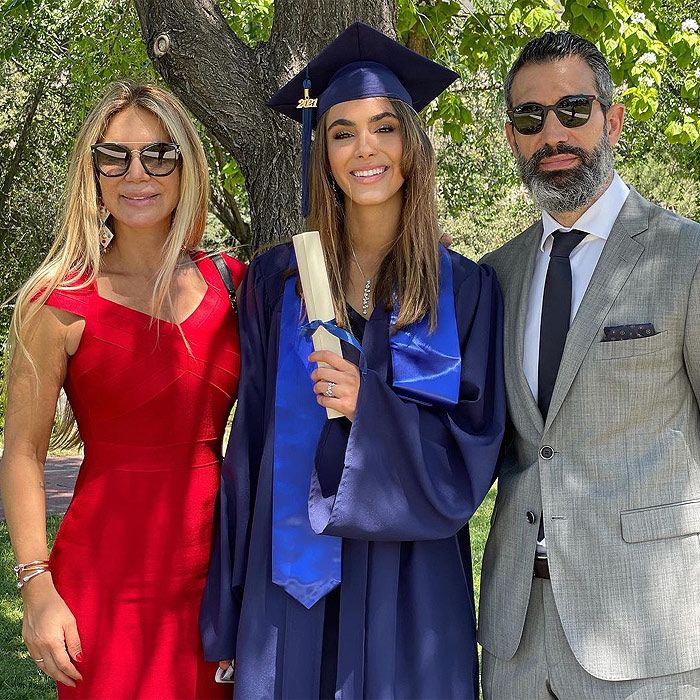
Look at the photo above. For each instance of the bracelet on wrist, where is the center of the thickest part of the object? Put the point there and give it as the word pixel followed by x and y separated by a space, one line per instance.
pixel 26 572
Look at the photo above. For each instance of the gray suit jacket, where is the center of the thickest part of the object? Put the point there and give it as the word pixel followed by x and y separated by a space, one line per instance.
pixel 621 494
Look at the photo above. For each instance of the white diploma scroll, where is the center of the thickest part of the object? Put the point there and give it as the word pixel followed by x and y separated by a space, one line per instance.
pixel 317 293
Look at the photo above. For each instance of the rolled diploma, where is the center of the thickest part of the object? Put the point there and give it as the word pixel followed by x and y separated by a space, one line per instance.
pixel 317 293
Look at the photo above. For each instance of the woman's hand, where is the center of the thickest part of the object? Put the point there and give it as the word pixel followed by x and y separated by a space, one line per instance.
pixel 50 632
pixel 342 377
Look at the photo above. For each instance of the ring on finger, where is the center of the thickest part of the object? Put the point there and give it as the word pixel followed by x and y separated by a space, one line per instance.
pixel 38 661
pixel 329 390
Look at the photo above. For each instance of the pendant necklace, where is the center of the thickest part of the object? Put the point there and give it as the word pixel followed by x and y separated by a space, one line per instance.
pixel 368 284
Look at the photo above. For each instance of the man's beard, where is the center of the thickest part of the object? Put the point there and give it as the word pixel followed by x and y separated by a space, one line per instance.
pixel 570 189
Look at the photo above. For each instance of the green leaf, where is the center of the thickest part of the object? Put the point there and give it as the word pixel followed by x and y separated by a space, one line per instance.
pixel 690 129
pixel 642 102
pixel 540 19
pixel 17 7
pixel 682 52
pixel 233 177
pixel 673 131
pixel 406 18
pixel 454 131
pixel 689 91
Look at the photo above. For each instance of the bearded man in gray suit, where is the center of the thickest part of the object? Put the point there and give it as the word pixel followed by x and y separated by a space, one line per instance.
pixel 591 574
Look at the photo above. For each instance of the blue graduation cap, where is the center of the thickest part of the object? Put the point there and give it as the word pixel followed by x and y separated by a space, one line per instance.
pixel 359 63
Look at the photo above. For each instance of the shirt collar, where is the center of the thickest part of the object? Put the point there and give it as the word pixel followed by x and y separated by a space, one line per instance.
pixel 598 219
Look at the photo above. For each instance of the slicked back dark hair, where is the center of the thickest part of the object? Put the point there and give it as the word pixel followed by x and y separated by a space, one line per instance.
pixel 555 46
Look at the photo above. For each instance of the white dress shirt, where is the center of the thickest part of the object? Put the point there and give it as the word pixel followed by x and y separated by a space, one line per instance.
pixel 597 221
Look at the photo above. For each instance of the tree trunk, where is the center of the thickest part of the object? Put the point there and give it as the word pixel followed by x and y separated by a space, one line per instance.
pixel 226 84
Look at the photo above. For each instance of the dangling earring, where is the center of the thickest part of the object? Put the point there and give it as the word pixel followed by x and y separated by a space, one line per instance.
pixel 334 185
pixel 106 235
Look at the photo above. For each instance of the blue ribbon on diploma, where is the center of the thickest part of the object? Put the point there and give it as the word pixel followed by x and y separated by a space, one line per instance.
pixel 426 369
pixel 308 330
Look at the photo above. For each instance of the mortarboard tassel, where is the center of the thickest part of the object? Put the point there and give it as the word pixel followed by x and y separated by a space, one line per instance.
pixel 307 128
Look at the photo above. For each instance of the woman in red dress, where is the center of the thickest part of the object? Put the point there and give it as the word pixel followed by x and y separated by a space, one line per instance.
pixel 137 327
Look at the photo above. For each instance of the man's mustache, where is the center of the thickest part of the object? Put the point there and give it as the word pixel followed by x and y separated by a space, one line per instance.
pixel 548 151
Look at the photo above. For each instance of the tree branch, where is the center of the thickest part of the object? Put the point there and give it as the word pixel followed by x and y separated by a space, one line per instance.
pixel 13 164
pixel 204 62
pixel 225 206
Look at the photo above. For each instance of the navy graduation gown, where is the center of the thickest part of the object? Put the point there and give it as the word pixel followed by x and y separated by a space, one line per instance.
pixel 399 485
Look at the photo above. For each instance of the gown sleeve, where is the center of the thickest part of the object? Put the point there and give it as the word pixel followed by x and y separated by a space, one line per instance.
pixel 404 471
pixel 220 610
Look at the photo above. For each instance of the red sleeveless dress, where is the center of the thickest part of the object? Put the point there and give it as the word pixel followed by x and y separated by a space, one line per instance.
pixel 131 555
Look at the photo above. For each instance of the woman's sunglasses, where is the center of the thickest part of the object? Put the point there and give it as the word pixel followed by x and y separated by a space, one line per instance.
pixel 572 111
pixel 114 159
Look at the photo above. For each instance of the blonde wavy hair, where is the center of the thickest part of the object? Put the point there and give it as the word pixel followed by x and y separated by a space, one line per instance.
pixel 411 266
pixel 73 261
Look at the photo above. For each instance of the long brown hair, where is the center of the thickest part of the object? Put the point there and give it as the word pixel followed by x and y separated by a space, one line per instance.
pixel 411 266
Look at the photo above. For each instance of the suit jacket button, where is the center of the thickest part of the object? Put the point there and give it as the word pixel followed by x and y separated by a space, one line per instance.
pixel 531 517
pixel 546 452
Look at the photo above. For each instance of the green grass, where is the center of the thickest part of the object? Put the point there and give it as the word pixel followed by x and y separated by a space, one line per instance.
pixel 478 531
pixel 19 677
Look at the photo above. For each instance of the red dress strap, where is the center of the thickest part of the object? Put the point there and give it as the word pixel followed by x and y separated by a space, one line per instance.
pixel 211 274
pixel 237 267
pixel 75 300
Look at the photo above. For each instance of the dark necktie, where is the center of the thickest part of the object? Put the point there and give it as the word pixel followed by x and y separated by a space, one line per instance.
pixel 554 324
pixel 556 314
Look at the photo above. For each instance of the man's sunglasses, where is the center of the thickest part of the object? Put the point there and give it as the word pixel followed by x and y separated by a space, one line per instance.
pixel 114 159
pixel 572 111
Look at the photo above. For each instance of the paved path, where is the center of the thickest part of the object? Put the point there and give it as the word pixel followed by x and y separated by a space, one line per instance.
pixel 59 478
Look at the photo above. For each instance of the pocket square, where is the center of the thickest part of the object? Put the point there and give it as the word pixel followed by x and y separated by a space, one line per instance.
pixel 628 332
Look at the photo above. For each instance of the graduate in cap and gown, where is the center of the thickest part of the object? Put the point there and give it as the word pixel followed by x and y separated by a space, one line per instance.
pixel 342 565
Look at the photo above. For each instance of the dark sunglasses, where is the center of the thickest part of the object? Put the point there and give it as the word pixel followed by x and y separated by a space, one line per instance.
pixel 114 159
pixel 572 111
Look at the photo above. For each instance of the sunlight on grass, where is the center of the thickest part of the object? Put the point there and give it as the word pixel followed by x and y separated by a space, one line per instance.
pixel 19 677
pixel 478 531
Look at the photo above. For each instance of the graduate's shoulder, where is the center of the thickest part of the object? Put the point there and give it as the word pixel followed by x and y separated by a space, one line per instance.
pixel 272 260
pixel 266 275
pixel 270 268
pixel 466 270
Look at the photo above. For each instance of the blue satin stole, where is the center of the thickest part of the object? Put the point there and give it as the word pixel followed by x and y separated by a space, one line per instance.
pixel 426 369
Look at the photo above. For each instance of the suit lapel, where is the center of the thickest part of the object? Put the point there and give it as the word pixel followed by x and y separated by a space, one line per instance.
pixel 620 254
pixel 517 302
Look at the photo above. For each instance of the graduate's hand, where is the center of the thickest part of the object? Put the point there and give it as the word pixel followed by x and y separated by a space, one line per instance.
pixel 345 378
